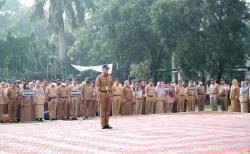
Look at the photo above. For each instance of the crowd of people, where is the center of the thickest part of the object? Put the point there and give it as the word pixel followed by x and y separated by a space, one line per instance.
pixel 38 100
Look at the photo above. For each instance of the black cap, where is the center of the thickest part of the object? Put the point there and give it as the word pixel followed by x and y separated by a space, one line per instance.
pixel 105 66
pixel 116 79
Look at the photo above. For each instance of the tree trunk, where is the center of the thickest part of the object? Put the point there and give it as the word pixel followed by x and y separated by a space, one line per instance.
pixel 62 47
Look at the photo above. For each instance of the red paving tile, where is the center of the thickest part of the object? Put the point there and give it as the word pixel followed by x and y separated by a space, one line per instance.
pixel 165 133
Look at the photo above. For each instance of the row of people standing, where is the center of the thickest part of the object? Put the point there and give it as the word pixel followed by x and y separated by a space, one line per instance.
pixel 142 98
pixel 28 101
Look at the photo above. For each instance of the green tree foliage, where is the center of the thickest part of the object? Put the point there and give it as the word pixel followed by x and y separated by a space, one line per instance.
pixel 207 37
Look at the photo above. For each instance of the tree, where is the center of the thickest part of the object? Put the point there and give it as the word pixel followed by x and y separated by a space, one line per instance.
pixel 74 10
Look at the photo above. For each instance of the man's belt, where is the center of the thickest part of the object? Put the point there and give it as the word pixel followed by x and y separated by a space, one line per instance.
pixel 52 97
pixel 181 95
pixel 11 98
pixel 63 97
pixel 117 95
pixel 213 93
pixel 105 91
pixel 201 94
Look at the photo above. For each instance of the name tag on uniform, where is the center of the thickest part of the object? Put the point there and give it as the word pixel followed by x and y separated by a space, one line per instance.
pixel 107 88
pixel 75 93
pixel 192 88
pixel 28 93
pixel 167 88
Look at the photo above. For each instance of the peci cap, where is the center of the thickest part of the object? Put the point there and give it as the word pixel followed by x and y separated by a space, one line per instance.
pixel 105 66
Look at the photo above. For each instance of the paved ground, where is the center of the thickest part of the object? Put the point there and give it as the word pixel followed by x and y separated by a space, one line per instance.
pixel 171 133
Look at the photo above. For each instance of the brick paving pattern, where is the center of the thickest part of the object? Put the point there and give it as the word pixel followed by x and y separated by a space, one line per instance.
pixel 168 133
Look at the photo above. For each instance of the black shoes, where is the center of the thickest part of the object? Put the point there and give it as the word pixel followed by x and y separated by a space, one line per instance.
pixel 106 127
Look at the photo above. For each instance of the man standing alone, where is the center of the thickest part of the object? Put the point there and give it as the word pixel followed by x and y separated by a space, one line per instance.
pixel 104 91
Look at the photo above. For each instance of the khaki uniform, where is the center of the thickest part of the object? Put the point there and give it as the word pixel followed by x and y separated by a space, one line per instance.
pixel 27 110
pixel 87 104
pixel 223 97
pixel 191 95
pixel 201 97
pixel 104 84
pixel 40 100
pixel 150 99
pixel 116 100
pixel 63 94
pixel 12 103
pixel 234 96
pixel 213 94
pixel 52 96
pixel 74 100
pixel 180 96
pixel 170 98
pixel 3 104
pixel 127 104
pixel 138 102
pixel 243 102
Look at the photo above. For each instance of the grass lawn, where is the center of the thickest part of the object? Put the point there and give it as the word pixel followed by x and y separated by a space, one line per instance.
pixel 208 108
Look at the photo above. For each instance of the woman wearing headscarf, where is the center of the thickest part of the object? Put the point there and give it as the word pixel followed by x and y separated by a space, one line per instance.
pixel 26 104
pixel 40 100
pixel 127 96
pixel 243 97
pixel 160 98
pixel 234 95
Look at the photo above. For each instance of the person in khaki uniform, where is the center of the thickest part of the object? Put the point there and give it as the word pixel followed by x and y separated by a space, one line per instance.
pixel 223 95
pixel 117 98
pixel 142 87
pixel 201 96
pixel 234 95
pixel 63 95
pixel 12 102
pixel 3 105
pixel 75 97
pixel 27 113
pixel 127 96
pixel 170 97
pixel 213 94
pixel 87 92
pixel 138 101
pixel 191 95
pixel 180 96
pixel 40 100
pixel 104 84
pixel 94 110
pixel 150 98
pixel 52 99
pixel 160 98
pixel 248 105
pixel 243 97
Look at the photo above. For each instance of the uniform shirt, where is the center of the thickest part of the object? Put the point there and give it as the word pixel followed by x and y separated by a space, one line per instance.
pixel 190 91
pixel 213 89
pixel 74 88
pixel 117 90
pixel 200 89
pixel 63 91
pixel 127 93
pixel 104 82
pixel 150 90
pixel 87 91
pixel 222 90
pixel 2 95
pixel 180 90
pixel 12 93
pixel 51 91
